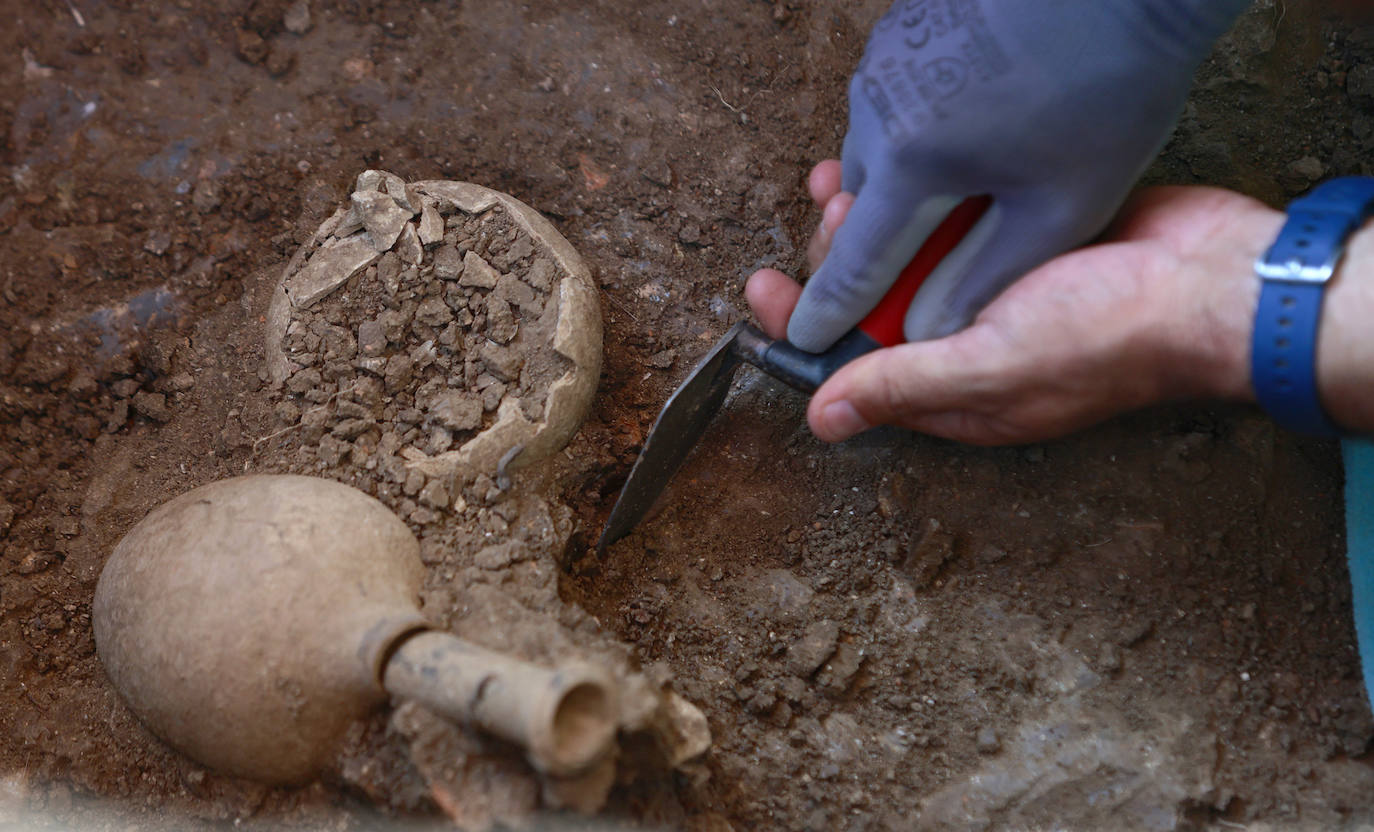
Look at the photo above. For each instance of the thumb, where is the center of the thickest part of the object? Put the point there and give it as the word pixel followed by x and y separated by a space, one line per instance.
pixel 929 386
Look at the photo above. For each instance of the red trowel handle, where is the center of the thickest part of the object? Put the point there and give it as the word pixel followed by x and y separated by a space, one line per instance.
pixel 883 326
pixel 884 323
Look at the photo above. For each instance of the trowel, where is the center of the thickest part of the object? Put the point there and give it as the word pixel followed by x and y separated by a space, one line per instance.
pixel 691 408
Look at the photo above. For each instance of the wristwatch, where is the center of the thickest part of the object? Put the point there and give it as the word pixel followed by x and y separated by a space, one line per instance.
pixel 1294 273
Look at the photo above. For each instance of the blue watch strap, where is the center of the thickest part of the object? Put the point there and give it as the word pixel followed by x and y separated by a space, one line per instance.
pixel 1295 271
pixel 1283 356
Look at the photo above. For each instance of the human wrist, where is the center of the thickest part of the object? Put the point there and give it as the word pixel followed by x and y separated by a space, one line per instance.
pixel 1345 344
pixel 1206 351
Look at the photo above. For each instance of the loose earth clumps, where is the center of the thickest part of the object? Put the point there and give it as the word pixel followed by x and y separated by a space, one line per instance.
pixel 433 334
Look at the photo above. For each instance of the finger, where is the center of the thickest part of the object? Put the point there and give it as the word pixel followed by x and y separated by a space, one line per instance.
pixel 883 230
pixel 824 181
pixel 852 173
pixel 831 219
pixel 772 295
pixel 912 385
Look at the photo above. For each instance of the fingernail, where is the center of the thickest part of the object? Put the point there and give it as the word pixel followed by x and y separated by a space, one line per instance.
pixel 824 231
pixel 842 421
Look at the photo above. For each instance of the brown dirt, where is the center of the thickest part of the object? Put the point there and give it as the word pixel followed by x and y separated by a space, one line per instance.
pixel 1144 626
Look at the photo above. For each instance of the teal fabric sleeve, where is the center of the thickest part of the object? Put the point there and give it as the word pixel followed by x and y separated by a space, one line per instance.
pixel 1359 521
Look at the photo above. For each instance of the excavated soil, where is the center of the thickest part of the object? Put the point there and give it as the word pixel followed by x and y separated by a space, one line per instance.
pixel 1145 626
pixel 416 356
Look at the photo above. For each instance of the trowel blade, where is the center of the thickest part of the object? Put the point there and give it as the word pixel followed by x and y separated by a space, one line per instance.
pixel 684 419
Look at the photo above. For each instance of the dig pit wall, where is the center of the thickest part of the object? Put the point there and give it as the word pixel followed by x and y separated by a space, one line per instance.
pixel 1216 678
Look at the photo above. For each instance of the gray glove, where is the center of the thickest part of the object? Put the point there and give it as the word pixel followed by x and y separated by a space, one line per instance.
pixel 1052 107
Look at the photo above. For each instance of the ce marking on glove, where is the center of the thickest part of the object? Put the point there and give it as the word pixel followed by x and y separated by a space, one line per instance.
pixel 918 22
pixel 921 20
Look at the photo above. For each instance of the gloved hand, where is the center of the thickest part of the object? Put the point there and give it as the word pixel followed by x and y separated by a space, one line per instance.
pixel 1052 107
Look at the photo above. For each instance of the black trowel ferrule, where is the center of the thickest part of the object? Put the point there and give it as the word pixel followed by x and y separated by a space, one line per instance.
pixel 800 369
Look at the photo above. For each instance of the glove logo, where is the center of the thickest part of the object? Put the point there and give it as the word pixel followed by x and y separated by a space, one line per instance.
pixel 882 106
pixel 948 75
pixel 982 48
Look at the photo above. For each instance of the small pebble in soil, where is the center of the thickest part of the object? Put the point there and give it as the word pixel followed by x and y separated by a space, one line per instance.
pixel 153 405
pixel 806 655
pixel 297 18
pixel 988 741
